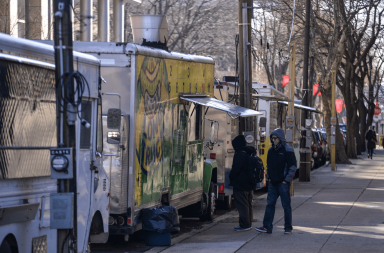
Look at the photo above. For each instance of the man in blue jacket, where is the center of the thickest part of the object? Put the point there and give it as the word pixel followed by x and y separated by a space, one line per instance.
pixel 281 167
pixel 242 190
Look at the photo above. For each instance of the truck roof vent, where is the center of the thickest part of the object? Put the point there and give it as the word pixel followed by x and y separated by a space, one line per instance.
pixel 150 30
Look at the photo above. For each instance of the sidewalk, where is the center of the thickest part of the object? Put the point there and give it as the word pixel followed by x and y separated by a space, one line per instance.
pixel 340 211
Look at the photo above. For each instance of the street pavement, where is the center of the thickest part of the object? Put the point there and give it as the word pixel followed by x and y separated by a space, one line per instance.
pixel 341 211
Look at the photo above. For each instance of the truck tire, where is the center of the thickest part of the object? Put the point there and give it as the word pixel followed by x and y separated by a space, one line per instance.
pixel 5 248
pixel 208 214
pixel 228 202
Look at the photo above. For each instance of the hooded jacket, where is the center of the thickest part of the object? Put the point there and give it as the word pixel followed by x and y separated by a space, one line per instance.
pixel 370 136
pixel 281 162
pixel 238 176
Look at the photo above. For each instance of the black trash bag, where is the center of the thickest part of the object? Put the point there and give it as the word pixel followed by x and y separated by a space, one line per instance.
pixel 162 219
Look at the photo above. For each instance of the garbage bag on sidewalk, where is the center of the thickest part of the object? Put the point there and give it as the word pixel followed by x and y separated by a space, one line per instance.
pixel 162 219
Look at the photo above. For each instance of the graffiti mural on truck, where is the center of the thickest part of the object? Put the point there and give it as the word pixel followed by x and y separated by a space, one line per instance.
pixel 160 123
pixel 152 102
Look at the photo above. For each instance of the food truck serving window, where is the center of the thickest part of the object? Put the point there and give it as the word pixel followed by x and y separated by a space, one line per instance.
pixel 221 105
pixel 195 123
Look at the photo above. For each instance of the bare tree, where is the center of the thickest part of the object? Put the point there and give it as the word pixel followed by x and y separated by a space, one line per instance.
pixel 361 32
pixel 342 41
pixel 269 38
pixel 196 27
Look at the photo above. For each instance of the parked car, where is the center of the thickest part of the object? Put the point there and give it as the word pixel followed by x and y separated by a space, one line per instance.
pixel 344 136
pixel 317 149
pixel 343 127
pixel 343 131
pixel 327 150
pixel 321 142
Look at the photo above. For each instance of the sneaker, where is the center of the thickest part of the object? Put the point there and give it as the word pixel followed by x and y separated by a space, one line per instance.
pixel 263 230
pixel 238 229
pixel 288 231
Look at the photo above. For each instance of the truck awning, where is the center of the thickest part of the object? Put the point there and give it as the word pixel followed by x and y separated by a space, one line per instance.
pixel 221 105
pixel 272 94
pixel 270 97
pixel 311 109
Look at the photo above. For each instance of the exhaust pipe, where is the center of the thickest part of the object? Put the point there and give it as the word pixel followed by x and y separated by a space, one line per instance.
pixel 103 20
pixel 85 16
pixel 118 20
pixel 149 30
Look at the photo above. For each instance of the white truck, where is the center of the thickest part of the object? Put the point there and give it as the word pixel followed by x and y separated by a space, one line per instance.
pixel 223 152
pixel 31 210
pixel 274 106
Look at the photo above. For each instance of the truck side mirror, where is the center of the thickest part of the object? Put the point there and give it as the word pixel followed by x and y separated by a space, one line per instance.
pixel 114 118
pixel 212 133
pixel 113 137
pixel 263 122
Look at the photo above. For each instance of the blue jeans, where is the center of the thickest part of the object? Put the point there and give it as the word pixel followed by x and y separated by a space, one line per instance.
pixel 370 151
pixel 274 191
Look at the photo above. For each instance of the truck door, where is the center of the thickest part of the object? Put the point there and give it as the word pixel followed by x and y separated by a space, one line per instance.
pixel 194 151
pixel 99 230
pixel 92 180
pixel 85 175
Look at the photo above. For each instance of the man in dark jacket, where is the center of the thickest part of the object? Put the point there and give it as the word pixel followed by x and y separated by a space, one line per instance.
pixel 370 136
pixel 242 190
pixel 281 167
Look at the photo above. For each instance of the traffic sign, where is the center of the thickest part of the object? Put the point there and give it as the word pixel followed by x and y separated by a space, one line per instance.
pixel 377 109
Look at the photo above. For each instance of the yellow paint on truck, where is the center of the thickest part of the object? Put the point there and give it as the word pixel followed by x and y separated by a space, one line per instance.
pixel 265 145
pixel 159 82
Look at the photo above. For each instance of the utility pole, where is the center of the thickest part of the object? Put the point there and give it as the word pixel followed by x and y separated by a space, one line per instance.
pixel 65 121
pixel 311 81
pixel 245 69
pixel 333 123
pixel 305 154
pixel 290 121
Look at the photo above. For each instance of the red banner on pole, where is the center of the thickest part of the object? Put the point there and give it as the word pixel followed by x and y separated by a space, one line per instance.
pixel 339 105
pixel 315 89
pixel 285 80
pixel 377 109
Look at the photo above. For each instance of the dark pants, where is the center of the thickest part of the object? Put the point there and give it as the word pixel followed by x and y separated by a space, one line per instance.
pixel 243 200
pixel 370 151
pixel 274 191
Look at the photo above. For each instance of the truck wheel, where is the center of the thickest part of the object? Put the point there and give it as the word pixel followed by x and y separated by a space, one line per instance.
pixel 5 248
pixel 208 215
pixel 228 202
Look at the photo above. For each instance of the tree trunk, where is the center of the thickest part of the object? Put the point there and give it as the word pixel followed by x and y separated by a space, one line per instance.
pixel 357 136
pixel 341 157
pixel 351 130
pixel 363 123
pixel 349 89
